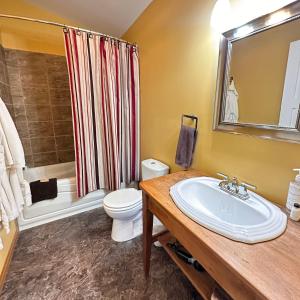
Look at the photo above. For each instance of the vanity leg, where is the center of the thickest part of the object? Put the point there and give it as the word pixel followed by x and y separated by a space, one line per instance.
pixel 147 234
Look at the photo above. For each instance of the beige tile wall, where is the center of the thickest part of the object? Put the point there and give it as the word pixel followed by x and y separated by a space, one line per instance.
pixel 41 102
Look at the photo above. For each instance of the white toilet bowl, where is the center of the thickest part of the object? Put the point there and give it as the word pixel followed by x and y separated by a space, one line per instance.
pixel 124 206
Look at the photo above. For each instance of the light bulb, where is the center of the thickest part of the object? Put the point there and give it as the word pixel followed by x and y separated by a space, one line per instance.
pixel 221 15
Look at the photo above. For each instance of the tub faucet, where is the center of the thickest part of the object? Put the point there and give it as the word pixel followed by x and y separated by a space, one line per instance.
pixel 234 187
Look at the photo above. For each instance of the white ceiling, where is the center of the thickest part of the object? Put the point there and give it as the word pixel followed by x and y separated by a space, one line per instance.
pixel 111 17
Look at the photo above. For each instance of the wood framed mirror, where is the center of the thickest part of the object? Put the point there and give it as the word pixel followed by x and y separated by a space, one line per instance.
pixel 258 82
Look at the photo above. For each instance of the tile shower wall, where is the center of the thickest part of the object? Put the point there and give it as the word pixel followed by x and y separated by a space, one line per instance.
pixel 41 101
pixel 4 83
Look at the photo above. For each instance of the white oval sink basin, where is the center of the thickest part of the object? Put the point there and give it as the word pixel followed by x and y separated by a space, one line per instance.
pixel 249 221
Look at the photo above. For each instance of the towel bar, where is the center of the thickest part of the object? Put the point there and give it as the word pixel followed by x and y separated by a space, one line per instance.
pixel 194 118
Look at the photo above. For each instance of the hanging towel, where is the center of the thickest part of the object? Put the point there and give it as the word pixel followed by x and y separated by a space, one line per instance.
pixel 232 106
pixel 16 189
pixel 9 196
pixel 11 136
pixel 3 198
pixel 26 193
pixel 4 218
pixel 14 160
pixel 186 146
pixel 43 190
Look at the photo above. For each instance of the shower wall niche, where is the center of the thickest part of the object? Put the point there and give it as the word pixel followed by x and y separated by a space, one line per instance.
pixel 39 93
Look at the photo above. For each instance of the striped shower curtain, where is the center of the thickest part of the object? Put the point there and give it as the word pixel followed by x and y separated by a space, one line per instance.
pixel 104 84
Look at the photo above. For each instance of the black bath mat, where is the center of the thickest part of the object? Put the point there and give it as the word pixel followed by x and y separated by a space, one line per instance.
pixel 43 190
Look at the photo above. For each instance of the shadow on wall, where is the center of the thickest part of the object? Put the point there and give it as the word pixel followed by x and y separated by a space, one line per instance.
pixel 35 88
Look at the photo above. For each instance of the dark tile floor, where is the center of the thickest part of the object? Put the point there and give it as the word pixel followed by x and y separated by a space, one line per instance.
pixel 75 258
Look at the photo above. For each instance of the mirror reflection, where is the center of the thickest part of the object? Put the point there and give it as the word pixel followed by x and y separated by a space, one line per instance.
pixel 263 84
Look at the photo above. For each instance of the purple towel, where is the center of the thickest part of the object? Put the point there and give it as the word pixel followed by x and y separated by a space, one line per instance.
pixel 186 146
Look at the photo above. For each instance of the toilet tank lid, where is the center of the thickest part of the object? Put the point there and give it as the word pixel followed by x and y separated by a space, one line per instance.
pixel 154 165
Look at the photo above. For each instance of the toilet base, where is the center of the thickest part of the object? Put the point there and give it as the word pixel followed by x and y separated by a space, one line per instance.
pixel 125 230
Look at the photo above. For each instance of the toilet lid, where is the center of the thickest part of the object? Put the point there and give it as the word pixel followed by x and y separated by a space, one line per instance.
pixel 123 198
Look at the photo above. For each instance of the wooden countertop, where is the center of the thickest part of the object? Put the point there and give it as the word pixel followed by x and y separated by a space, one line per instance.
pixel 269 270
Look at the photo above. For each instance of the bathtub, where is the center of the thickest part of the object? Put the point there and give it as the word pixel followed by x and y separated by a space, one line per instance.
pixel 65 204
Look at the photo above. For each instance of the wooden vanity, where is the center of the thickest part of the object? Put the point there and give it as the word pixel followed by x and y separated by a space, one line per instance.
pixel 269 270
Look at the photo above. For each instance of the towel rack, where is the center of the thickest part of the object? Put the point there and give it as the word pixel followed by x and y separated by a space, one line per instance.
pixel 194 118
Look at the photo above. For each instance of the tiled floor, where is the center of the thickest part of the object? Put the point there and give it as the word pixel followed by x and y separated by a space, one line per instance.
pixel 75 258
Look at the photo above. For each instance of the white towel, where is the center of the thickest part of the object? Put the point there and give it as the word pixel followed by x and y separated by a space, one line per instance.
pixel 4 219
pixel 12 179
pixel 16 189
pixel 3 199
pixel 2 158
pixel 231 105
pixel 8 192
pixel 12 161
pixel 11 136
pixel 26 193
pixel 8 158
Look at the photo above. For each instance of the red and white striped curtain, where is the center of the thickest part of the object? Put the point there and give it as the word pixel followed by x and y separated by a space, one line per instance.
pixel 104 83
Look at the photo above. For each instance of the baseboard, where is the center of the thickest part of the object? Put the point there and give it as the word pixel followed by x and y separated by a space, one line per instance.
pixel 8 259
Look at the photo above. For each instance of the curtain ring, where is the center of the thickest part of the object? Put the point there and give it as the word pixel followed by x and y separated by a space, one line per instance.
pixel 66 29
pixel 104 38
pixel 78 32
pixel 90 35
pixel 116 43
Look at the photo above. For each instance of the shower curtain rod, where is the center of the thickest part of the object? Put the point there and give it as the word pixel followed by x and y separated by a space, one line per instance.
pixel 65 26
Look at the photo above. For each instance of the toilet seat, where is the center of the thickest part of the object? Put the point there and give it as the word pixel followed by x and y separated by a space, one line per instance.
pixel 123 199
pixel 124 209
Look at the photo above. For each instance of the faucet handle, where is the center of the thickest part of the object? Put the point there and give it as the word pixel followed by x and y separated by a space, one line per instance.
pixel 235 180
pixel 223 175
pixel 248 186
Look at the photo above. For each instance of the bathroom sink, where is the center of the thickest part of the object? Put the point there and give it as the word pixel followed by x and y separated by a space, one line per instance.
pixel 249 221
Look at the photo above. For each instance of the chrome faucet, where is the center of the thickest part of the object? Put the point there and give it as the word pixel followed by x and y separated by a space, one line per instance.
pixel 234 187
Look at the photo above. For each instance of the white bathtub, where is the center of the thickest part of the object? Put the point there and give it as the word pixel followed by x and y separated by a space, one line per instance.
pixel 66 204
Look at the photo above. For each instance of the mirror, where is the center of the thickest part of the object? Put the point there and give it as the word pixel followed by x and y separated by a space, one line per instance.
pixel 258 88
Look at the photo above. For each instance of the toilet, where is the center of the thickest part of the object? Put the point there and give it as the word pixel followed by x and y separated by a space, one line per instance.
pixel 124 206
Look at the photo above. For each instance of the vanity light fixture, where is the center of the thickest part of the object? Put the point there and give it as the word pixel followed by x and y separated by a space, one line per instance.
pixel 243 31
pixel 277 17
pixel 221 15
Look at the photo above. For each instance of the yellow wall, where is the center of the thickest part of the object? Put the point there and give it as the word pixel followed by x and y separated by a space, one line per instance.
pixel 258 67
pixel 178 62
pixel 31 36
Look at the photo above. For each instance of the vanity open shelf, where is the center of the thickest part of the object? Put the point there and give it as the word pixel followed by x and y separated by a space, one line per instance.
pixel 202 281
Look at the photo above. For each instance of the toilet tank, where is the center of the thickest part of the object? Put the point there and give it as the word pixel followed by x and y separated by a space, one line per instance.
pixel 153 168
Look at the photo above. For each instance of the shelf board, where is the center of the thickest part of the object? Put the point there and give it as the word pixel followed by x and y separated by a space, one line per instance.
pixel 202 281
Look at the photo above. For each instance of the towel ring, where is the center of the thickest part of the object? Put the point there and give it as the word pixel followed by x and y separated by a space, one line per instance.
pixel 194 118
